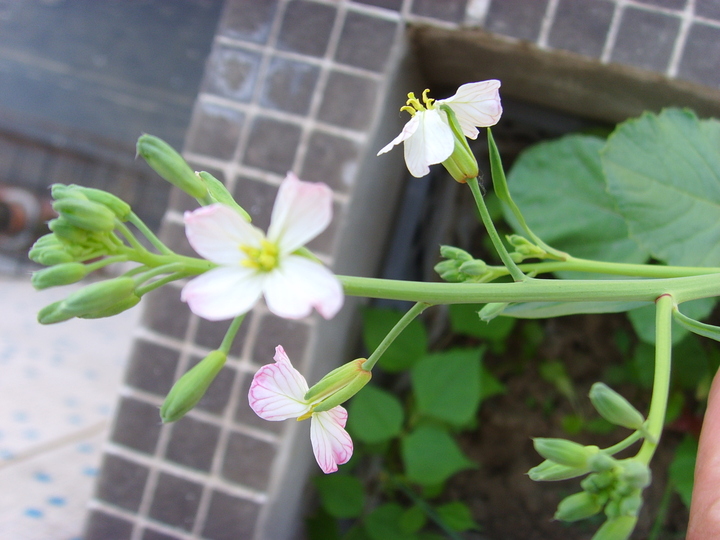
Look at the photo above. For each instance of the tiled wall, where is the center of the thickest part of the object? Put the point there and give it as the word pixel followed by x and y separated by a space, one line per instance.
pixel 298 85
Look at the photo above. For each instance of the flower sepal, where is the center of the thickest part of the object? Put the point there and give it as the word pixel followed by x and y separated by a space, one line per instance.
pixel 461 164
pixel 338 386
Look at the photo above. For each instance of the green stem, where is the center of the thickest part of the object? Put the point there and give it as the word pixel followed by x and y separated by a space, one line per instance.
pixel 574 264
pixel 145 230
pixel 515 272
pixel 625 443
pixel 144 289
pixel 106 261
pixel 231 333
pixel 661 382
pixel 413 312
pixel 129 236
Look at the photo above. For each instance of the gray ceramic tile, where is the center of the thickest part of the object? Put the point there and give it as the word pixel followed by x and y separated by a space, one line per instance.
pixel 173 235
pixel 581 26
pixel 175 501
pixel 232 73
pixel 101 526
pixel 230 518
pixel 165 312
pixel 211 333
pixel 274 331
pixel 332 160
pixel 248 461
pixel 671 4
pixel 645 39
pixel 245 415
pixel 306 27
pixel 272 145
pixel 708 8
pixel 218 393
pixel 122 482
pixel 516 18
pixel 355 49
pixel 257 199
pixel 444 10
pixel 700 57
pixel 137 425
pixel 192 443
pixel 152 367
pixel 150 534
pixel 215 130
pixel 395 5
pixel 349 101
pixel 289 86
pixel 248 20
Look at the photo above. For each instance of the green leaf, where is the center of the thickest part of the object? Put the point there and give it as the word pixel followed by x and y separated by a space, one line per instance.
pixel 690 363
pixel 464 320
pixel 489 385
pixel 407 348
pixel 383 523
pixel 322 526
pixel 457 516
pixel 375 415
pixel 643 319
pixel 664 174
pixel 560 187
pixel 413 519
pixel 341 496
pixel 682 469
pixel 446 385
pixel 701 329
pixel 431 456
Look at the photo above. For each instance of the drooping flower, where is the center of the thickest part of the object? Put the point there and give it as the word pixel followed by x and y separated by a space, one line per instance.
pixel 428 137
pixel 252 264
pixel 277 392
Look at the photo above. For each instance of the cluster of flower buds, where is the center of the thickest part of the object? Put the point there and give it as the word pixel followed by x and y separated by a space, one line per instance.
pixel 524 249
pixel 459 266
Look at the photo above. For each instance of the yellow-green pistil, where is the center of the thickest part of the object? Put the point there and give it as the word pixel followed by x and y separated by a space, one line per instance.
pixel 413 105
pixel 263 258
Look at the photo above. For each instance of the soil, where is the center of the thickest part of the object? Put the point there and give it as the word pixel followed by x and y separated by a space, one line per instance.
pixel 507 504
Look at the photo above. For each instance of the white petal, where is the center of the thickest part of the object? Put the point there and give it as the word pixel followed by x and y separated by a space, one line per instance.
pixel 431 143
pixel 298 285
pixel 223 292
pixel 331 444
pixel 406 133
pixel 476 105
pixel 277 391
pixel 302 210
pixel 217 231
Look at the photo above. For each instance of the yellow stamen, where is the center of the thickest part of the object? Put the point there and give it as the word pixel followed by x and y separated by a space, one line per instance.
pixel 427 100
pixel 264 258
pixel 413 105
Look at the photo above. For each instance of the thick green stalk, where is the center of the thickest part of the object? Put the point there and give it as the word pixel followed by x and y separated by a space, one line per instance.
pixel 574 264
pixel 413 312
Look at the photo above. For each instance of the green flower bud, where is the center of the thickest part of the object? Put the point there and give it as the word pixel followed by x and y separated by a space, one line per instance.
pixel 598 482
pixel 61 191
pixel 524 249
pixel 461 164
pixel 191 387
pixel 635 473
pixel 476 267
pixel 615 408
pixel 170 165
pixel 630 505
pixel 123 305
pixel 60 274
pixel 339 385
pixel 452 252
pixel 619 528
pixel 50 257
pixel 549 471
pixel 564 452
pixel 116 205
pixel 54 313
pixel 99 296
pixel 492 310
pixel 87 215
pixel 219 193
pixel 67 232
pixel 601 462
pixel 578 506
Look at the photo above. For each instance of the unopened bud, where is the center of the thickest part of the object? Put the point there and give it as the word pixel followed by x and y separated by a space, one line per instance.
pixel 170 165
pixel 60 274
pixel 48 250
pixel 219 193
pixel 564 452
pixel 635 473
pixel 68 232
pixel 339 385
pixel 86 215
pixel 99 296
pixel 123 305
pixel 492 310
pixel 191 387
pixel 619 528
pixel 631 504
pixel 601 462
pixel 54 313
pixel 578 506
pixel 549 471
pixel 524 249
pixel 61 191
pixel 452 252
pixel 476 267
pixel 116 205
pixel 598 482
pixel 615 408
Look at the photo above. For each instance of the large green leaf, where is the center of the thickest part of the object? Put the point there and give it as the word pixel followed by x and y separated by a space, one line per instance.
pixel 446 385
pixel 342 496
pixel 384 522
pixel 407 348
pixel 431 456
pixel 560 188
pixel 664 174
pixel 375 415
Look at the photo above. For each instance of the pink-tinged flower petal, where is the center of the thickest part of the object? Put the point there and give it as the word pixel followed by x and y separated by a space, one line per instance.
pixel 331 444
pixel 302 210
pixel 223 292
pixel 277 391
pixel 476 105
pixel 298 285
pixel 406 133
pixel 431 143
pixel 217 231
